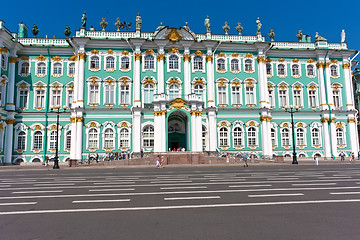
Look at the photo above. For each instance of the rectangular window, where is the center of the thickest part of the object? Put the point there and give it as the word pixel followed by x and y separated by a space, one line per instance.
pixel 94 94
pixel 312 98
pixel 236 96
pixel 336 98
pixel 109 94
pixel 39 98
pixel 56 97
pixel 283 98
pixel 70 97
pixel 124 94
pixel 23 98
pixel 297 98
pixel 271 98
pixel 222 94
pixel 250 95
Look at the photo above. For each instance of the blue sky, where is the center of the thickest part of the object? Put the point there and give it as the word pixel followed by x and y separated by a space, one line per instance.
pixel 285 17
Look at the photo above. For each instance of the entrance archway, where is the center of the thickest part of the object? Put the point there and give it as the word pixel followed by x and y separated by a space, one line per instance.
pixel 177 130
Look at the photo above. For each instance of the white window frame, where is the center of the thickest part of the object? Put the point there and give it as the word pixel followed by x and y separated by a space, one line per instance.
pixel 4 61
pixel 314 70
pixel 318 137
pixel 288 138
pixel 339 96
pixel 271 97
pixel 273 137
pixel 310 96
pixel 20 66
pixel 252 65
pixel 236 94
pixel 35 106
pixel 124 139
pixel 238 63
pixel 179 62
pixel 90 63
pixel 112 95
pixel 224 64
pixel 239 137
pixel 67 144
pixel 94 83
pixel 248 93
pixel 149 139
pixel 68 69
pixel 252 138
pixel 17 140
pixel 41 74
pixel 342 138
pixel 271 69
pixel 298 65
pixel 41 145
pixel 127 93
pixel 95 139
pixel 108 140
pixel 282 95
pixel 223 92
pixel 109 69
pixel 59 70
pixel 69 102
pixel 224 140
pixel 336 69
pixel 300 96
pixel 121 63
pixel 194 63
pixel 299 139
pixel 285 69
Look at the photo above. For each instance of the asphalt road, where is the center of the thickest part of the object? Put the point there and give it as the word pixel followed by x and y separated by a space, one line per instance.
pixel 262 202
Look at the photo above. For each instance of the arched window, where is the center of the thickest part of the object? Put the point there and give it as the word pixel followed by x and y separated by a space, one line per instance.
pixel 173 62
pixel 72 69
pixel 52 140
pixel 57 69
pixel 125 63
pixel 281 69
pixel 94 62
pixel 251 137
pixel 110 62
pixel 248 65
pixel 273 137
pixel 94 94
pixel 340 137
pixel 148 93
pixel 199 89
pixel 21 141
pixel 235 65
pixel 198 63
pixel 124 138
pixel 109 138
pixel 300 137
pixel 93 138
pixel 295 70
pixel 315 136
pixel 38 140
pixel 238 137
pixel 221 64
pixel 68 140
pixel 302 155
pixel 334 70
pixel 285 137
pixel 41 68
pixel 223 137
pixel 124 94
pixel 148 137
pixel 109 94
pixel 25 67
pixel 149 62
pixel 268 69
pixel 174 91
pixel 310 70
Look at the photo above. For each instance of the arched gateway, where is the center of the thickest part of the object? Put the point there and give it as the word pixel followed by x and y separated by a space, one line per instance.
pixel 178 130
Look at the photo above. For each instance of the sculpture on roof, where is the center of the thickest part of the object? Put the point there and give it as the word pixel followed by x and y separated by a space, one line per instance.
pixel 258 26
pixel 67 31
pixel 239 28
pixel 103 24
pixel 319 38
pixel 118 24
pixel 343 36
pixel 271 34
pixel 299 35
pixel 138 22
pixel 207 24
pixel 35 30
pixel 83 20
pixel 186 27
pixel 226 28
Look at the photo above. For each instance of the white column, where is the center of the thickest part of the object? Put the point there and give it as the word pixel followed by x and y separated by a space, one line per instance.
pixel 157 131
pixel 8 143
pixel 268 128
pixel 354 145
pixel 262 81
pixel 193 131
pixel 210 79
pixel 264 136
pixel 348 89
pixel 333 137
pixel 199 131
pixel 160 71
pixel 163 132
pixel 11 82
pixel 212 130
pixel 326 136
pixel 76 83
pixel 136 131
pixel 137 58
pixel 79 137
pixel 81 80
pixel 73 136
pixel 187 74
pixel 328 85
pixel 323 105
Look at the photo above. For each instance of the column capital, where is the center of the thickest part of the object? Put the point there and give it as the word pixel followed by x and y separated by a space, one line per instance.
pixel 209 58
pixel 346 66
pixel 10 121
pixel 260 59
pixel 138 56
pixel 160 57
pixel 82 56
pixel 187 57
pixel 320 65
pixel 13 59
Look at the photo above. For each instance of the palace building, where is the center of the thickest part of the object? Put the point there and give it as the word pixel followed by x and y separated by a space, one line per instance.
pixel 155 91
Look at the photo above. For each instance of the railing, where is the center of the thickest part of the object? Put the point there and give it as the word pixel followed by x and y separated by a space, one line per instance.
pixel 302 45
pixel 234 38
pixel 43 41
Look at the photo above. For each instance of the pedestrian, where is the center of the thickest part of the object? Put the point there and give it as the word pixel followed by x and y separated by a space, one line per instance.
pixel 245 160
pixel 97 158
pixel 46 161
pixel 157 162
pixel 162 162
pixel 89 158
pixel 352 156
pixel 359 155
pixel 128 154
pixel 316 160
pixel 342 156
pixel 141 153
pixel 227 158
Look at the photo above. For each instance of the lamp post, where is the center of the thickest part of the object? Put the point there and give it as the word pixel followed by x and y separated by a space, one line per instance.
pixel 292 109
pixel 56 109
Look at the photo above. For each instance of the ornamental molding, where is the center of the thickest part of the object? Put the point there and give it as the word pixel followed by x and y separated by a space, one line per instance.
pixel 198 53
pixel 57 58
pixel 339 125
pixel 149 80
pixel 260 59
pixel 199 81
pixel 187 57
pixel 149 51
pixel 173 50
pixel 268 60
pixel 310 60
pixel 3 50
pixel 209 58
pixel 110 51
pixel 73 58
pixel 178 103
pixel 281 60
pixel 248 55
pixel 174 81
pixel 235 54
pixel 41 58
pixel 24 58
pixel 125 53
pixel 138 56
pixel 346 65
pixel 160 57
pixel 173 35
pixel 221 54
pixel 295 60
pixel 334 61
pixel 160 113
pixel 13 59
pixel 10 121
pixel 324 120
pixel 351 120
pixel 327 64
pixel 82 56
pixel 94 51
pixel 320 65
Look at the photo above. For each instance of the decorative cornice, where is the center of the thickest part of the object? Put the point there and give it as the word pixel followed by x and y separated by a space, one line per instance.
pixel 72 120
pixel 310 60
pixel 268 60
pixel 295 60
pixel 281 60
pixel 327 64
pixel 351 120
pixel 24 58
pixel 110 51
pixel 198 53
pixel 159 113
pixel 235 54
pixel 173 50
pixel 248 55
pixel 221 54
pixel 94 51
pixel 79 119
pixel 149 51
pixel 324 120
pixel 320 65
pixel 73 58
pixel 3 50
pixel 125 52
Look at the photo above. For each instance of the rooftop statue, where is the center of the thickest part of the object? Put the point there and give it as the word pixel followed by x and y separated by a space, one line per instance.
pixel 186 27
pixel 271 34
pixel 138 22
pixel 258 26
pixel 83 20
pixel 343 35
pixel 319 38
pixel 299 35
pixel 67 31
pixel 118 24
pixel 239 28
pixel 207 24
pixel 35 30
pixel 103 24
pixel 226 28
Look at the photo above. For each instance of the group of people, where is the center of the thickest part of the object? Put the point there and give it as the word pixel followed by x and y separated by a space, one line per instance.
pixel 111 156
pixel 177 149
pixel 159 161
pixel 351 155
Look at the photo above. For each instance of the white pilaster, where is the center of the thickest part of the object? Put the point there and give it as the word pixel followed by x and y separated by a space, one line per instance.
pixel 212 130
pixel 81 80
pixel 187 74
pixel 76 83
pixel 11 82
pixel 354 145
pixel 157 131
pixel 269 146
pixel 136 134
pixel 264 136
pixel 262 81
pixel 210 78
pixel 193 131
pixel 79 137
pixel 73 136
pixel 8 143
pixel 199 132
pixel 137 58
pixel 326 137
pixel 348 89
pixel 160 72
pixel 328 85
pixel 323 105
pixel 333 137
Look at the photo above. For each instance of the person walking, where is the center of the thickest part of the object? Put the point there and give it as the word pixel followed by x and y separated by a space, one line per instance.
pixel 245 160
pixel 157 162
pixel 162 162
pixel 316 159
pixel 342 156
pixel 352 156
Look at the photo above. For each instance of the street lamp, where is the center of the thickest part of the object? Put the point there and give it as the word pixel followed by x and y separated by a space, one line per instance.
pixel 292 109
pixel 56 109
